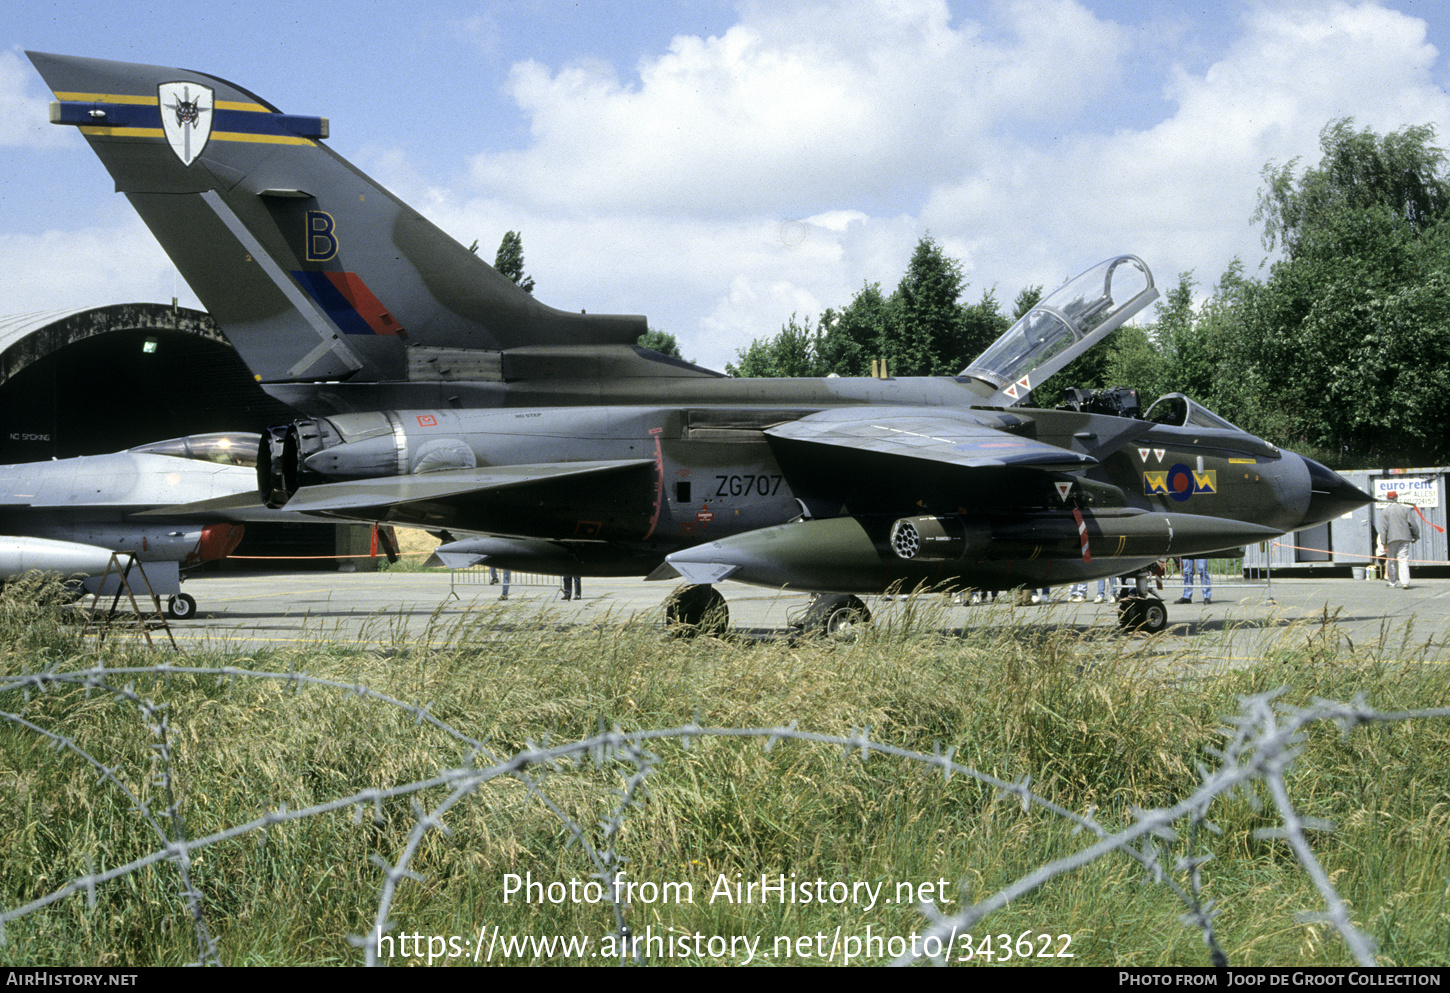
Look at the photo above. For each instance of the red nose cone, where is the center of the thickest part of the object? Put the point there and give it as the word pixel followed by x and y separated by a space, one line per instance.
pixel 218 541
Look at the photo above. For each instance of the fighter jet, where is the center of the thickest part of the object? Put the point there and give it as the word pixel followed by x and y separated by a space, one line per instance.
pixel 68 516
pixel 440 395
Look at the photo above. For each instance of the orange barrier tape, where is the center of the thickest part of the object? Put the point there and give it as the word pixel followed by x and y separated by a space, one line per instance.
pixel 1352 555
pixel 288 558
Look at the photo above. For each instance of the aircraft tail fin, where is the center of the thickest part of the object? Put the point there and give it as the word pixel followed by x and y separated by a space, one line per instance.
pixel 314 271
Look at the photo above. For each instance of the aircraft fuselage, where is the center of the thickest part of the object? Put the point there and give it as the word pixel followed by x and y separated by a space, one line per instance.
pixel 437 392
pixel 701 471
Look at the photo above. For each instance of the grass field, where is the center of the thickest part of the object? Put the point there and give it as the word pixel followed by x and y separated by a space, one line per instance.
pixel 432 787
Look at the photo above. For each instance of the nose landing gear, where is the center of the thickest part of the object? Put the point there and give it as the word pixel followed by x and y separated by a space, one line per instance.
pixel 1143 613
pixel 838 616
pixel 181 607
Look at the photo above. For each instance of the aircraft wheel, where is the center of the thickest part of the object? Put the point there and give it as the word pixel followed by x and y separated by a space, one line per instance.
pixel 1144 614
pixel 692 610
pixel 181 607
pixel 838 616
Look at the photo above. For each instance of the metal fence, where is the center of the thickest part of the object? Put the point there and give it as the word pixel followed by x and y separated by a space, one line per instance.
pixel 481 575
pixel 1231 576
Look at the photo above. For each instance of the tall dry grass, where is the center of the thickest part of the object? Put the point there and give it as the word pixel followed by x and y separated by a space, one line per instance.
pixel 1099 722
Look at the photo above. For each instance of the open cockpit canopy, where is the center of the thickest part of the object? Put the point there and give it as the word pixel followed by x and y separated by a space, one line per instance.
pixel 1063 326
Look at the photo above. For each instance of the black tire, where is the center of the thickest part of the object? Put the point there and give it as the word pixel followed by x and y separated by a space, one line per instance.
pixel 692 610
pixel 838 616
pixel 181 607
pixel 1143 614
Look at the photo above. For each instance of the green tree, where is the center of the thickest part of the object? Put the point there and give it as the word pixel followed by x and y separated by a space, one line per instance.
pixel 510 261
pixel 1401 175
pixel 1030 297
pixel 1344 350
pixel 980 324
pixel 925 323
pixel 1243 388
pixel 792 352
pixel 1188 352
pixel 920 330
pixel 852 338
pixel 1135 361
pixel 661 341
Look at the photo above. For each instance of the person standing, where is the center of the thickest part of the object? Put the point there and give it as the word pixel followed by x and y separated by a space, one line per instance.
pixel 572 589
pixel 1398 528
pixel 1201 567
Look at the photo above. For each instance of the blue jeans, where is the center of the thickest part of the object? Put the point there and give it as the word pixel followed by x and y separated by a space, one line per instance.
pixel 1201 565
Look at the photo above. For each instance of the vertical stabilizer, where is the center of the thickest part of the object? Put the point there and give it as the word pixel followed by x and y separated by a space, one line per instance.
pixel 314 271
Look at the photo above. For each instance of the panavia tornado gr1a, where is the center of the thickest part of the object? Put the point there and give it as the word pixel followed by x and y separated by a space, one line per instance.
pixel 439 395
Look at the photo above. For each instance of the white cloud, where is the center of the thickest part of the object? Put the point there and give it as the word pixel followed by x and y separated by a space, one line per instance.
pixel 774 167
pixel 799 108
pixel 748 298
pixel 93 267
pixel 24 116
pixel 837 220
pixel 482 31
pixel 1181 192
pixel 715 284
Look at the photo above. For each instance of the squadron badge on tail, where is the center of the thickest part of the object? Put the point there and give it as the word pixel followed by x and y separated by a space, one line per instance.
pixel 186 118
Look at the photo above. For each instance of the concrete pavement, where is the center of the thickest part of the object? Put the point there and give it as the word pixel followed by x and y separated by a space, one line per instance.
pixel 246 611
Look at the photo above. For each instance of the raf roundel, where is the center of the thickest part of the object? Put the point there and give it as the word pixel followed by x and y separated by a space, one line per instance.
pixel 1180 482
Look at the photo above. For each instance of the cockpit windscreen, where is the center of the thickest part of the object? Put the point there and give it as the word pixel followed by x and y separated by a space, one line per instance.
pixel 224 448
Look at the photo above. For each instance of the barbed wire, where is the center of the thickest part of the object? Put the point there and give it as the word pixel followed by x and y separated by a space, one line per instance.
pixel 1263 739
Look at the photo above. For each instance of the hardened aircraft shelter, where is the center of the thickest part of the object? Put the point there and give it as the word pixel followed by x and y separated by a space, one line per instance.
pixel 96 380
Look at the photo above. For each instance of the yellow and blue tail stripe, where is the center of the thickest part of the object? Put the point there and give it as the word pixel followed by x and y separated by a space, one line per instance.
pixel 122 116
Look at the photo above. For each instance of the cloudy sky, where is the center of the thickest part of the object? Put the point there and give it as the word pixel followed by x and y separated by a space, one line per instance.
pixel 719 166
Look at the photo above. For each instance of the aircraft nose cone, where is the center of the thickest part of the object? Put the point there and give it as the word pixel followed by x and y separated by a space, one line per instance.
pixel 1330 495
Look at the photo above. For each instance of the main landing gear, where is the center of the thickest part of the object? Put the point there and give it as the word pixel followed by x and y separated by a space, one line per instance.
pixel 692 610
pixel 701 610
pixel 696 610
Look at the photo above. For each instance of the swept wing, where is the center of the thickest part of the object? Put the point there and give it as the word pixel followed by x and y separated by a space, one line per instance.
pixel 950 437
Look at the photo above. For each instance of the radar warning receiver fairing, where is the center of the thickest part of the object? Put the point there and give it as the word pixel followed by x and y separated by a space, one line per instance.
pixel 67 517
pixel 440 395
